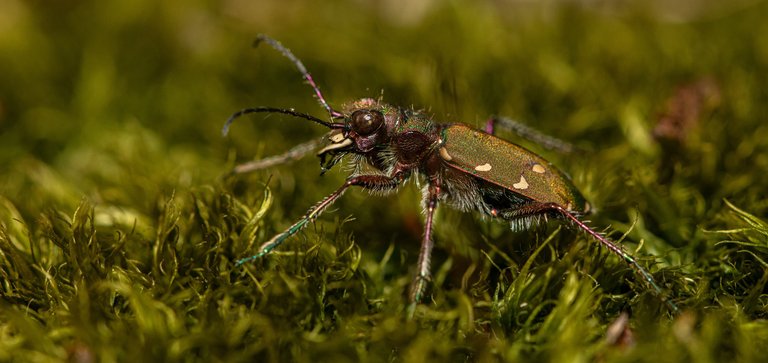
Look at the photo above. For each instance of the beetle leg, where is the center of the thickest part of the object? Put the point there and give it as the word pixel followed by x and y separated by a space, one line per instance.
pixel 371 182
pixel 539 209
pixel 530 134
pixel 423 275
pixel 293 154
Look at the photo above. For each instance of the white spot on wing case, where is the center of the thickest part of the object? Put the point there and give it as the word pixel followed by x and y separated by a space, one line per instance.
pixel 444 154
pixel 484 167
pixel 522 184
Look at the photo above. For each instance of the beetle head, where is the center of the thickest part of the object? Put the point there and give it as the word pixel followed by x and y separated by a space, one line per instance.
pixel 367 124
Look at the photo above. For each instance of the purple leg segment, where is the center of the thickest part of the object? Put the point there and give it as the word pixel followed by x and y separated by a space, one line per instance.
pixel 489 129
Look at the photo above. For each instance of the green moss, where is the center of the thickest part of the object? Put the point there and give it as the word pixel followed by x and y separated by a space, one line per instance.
pixel 120 225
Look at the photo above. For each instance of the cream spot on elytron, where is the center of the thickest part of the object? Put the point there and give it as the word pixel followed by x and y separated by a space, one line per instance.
pixel 444 154
pixel 522 184
pixel 484 167
pixel 537 168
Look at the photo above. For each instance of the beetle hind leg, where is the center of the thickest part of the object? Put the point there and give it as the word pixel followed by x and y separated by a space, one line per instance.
pixel 548 209
pixel 530 134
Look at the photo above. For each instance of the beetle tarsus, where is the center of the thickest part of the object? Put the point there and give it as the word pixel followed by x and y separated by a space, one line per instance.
pixel 419 287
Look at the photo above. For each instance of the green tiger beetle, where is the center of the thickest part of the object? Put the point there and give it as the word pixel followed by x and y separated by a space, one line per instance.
pixel 465 168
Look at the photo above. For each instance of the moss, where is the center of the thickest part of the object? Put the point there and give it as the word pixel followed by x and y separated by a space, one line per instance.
pixel 120 225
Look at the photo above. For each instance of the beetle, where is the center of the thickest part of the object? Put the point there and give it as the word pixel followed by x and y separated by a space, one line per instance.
pixel 464 168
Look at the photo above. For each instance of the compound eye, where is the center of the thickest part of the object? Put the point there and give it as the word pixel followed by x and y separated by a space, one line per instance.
pixel 366 122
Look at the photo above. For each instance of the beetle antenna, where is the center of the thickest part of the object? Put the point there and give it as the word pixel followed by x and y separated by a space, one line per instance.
pixel 305 116
pixel 303 70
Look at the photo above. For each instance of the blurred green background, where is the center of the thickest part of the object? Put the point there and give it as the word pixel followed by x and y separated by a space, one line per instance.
pixel 119 223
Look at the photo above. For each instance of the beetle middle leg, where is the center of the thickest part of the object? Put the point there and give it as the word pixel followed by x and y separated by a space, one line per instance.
pixel 370 182
pixel 544 209
pixel 423 274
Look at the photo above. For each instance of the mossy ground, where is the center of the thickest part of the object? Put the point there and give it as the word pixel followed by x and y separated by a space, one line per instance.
pixel 119 225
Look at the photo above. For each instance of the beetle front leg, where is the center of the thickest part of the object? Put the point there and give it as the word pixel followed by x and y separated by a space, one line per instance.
pixel 371 182
pixel 543 209
pixel 293 154
pixel 423 275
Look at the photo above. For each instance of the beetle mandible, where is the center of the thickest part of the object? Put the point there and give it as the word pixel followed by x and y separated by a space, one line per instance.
pixel 465 168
